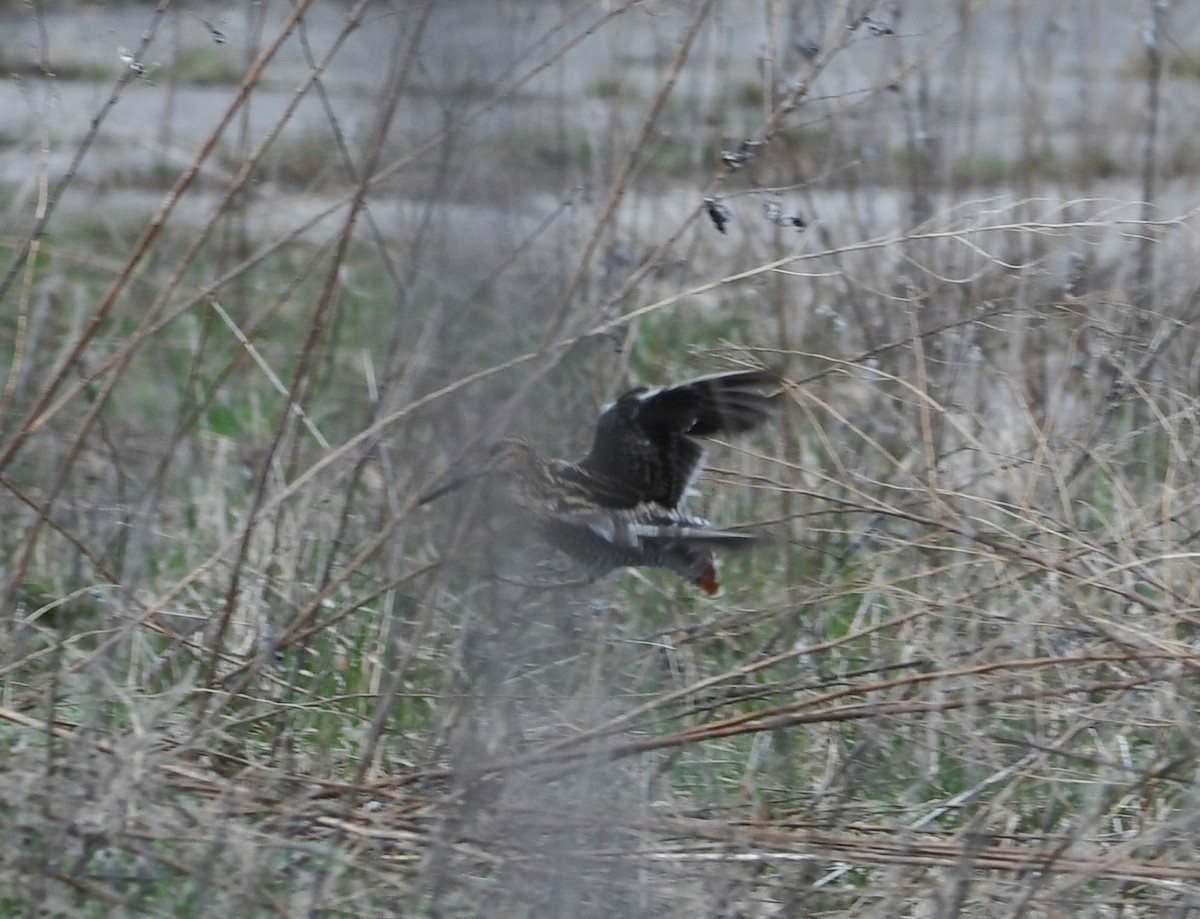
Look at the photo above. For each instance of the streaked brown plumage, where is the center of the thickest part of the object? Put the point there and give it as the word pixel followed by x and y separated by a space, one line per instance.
pixel 624 504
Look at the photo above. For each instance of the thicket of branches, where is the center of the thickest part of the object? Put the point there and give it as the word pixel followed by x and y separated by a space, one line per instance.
pixel 274 270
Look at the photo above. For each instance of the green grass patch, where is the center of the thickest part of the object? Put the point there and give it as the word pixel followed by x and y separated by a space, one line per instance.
pixel 666 341
pixel 606 89
pixel 205 66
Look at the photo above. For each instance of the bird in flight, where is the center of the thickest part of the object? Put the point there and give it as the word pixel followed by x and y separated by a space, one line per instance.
pixel 624 503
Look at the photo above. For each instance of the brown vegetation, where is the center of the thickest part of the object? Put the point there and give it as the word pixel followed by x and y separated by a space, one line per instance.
pixel 268 277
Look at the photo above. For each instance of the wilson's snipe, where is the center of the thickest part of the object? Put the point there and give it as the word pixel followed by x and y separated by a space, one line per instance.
pixel 624 503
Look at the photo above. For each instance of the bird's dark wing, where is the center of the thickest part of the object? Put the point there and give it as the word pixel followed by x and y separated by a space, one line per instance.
pixel 644 439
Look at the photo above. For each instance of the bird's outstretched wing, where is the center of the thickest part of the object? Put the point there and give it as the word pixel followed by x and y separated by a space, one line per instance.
pixel 644 440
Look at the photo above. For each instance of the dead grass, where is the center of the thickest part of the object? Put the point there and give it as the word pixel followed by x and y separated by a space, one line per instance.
pixel 243 674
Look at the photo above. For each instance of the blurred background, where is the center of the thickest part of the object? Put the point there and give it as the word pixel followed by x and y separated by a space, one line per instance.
pixel 270 271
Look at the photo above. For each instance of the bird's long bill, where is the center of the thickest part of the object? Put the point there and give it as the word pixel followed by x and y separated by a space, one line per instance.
pixel 698 535
pixel 457 481
pixel 722 539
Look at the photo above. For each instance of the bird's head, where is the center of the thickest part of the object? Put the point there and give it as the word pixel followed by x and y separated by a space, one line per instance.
pixel 511 457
